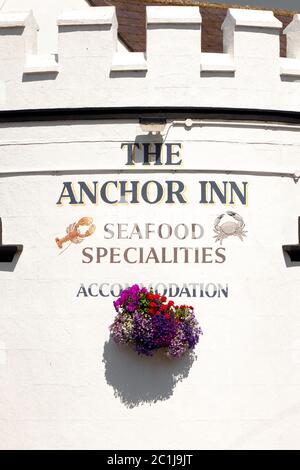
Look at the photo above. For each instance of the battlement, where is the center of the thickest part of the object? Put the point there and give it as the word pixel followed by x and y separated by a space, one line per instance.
pixel 93 69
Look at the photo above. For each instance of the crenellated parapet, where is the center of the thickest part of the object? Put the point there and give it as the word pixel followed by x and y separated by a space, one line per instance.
pixel 93 69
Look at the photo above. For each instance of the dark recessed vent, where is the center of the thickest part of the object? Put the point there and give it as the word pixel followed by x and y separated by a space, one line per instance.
pixel 293 251
pixel 8 252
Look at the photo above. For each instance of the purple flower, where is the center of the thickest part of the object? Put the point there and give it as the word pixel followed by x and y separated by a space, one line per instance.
pixel 163 330
pixel 176 330
pixel 142 334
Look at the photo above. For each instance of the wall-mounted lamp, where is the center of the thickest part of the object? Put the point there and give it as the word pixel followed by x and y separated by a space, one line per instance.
pixel 153 125
pixel 8 252
pixel 159 126
pixel 293 251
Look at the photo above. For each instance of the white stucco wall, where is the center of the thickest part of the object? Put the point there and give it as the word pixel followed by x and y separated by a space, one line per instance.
pixel 249 74
pixel 63 384
pixel 46 13
pixel 59 372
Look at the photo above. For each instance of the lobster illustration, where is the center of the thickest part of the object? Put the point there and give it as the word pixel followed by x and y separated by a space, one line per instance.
pixel 74 234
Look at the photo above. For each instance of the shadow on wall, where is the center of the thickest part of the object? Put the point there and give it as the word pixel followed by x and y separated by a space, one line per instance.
pixel 9 254
pixel 288 262
pixel 10 266
pixel 138 379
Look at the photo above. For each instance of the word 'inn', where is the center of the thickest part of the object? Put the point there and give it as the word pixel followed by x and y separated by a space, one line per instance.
pixel 151 191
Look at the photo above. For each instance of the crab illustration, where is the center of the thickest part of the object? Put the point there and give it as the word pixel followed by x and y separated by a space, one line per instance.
pixel 229 228
pixel 74 234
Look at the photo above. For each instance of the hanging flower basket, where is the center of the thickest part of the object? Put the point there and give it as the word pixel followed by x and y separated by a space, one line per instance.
pixel 150 322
